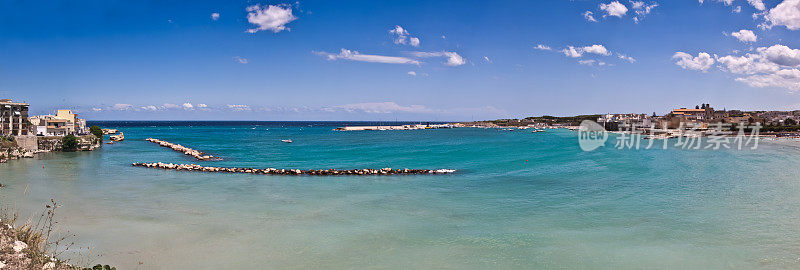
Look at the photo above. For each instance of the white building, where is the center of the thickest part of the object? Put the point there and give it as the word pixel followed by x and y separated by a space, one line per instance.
pixel 63 123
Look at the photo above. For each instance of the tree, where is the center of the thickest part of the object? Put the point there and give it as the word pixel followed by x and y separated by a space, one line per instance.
pixel 97 131
pixel 69 143
pixel 790 122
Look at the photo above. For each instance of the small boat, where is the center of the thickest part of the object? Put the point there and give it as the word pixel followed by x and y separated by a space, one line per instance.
pixel 111 142
pixel 287 141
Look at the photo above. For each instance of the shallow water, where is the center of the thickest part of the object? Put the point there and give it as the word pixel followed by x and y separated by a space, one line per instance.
pixel 518 200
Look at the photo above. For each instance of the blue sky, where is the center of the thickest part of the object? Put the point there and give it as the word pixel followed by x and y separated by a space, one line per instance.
pixel 161 60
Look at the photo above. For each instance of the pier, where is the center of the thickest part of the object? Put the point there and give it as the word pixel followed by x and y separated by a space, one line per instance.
pixel 273 171
pixel 183 149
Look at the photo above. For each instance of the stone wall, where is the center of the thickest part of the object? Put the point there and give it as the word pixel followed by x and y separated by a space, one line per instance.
pixel 85 143
pixel 27 142
pixel 49 143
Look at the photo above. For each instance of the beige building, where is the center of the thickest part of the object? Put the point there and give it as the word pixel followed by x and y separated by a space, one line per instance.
pixel 64 122
pixel 13 118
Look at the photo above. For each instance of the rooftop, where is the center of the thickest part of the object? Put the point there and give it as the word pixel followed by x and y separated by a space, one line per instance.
pixel 9 102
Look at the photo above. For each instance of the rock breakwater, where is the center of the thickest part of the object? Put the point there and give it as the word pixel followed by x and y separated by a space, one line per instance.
pixel 273 171
pixel 183 149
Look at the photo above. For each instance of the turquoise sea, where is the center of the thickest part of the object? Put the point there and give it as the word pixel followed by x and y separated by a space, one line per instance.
pixel 519 200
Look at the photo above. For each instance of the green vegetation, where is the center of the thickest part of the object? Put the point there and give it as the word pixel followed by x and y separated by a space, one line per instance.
pixel 69 143
pixel 568 120
pixel 97 132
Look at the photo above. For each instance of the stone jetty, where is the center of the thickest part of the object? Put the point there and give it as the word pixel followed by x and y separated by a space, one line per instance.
pixel 183 149
pixel 198 168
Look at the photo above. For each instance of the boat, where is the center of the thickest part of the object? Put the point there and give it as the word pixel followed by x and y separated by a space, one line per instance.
pixel 287 141
pixel 537 130
pixel 118 138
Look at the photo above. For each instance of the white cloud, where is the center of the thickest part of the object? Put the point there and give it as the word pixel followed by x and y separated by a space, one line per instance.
pixel 402 36
pixel 188 106
pixel 726 2
pixel 413 41
pixel 758 4
pixel 626 58
pixel 149 108
pixel 542 47
pixel 202 106
pixel 781 55
pixel 596 49
pixel 356 56
pixel 774 66
pixel 240 60
pixel 122 107
pixel 745 35
pixel 452 58
pixel 574 52
pixel 215 16
pixel 272 17
pixel 641 9
pixel 97 109
pixel 589 16
pixel 238 107
pixel 412 73
pixel 486 58
pixel 614 8
pixel 167 106
pixel 785 78
pixel 787 13
pixel 586 62
pixel 702 62
pixel 383 107
pixel 747 64
pixel 737 9
pixel 571 51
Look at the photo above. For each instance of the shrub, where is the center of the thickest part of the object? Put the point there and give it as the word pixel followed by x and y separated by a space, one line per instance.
pixel 97 132
pixel 69 143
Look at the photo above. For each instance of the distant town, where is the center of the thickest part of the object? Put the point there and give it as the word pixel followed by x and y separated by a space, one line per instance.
pixel 700 117
pixel 22 135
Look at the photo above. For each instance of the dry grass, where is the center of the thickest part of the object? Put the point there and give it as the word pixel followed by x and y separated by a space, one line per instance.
pixel 44 245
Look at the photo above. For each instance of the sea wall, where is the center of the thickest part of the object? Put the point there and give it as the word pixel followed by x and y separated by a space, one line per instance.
pixel 85 143
pixel 29 143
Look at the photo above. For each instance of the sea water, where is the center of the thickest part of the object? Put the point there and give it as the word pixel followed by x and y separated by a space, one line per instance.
pixel 518 200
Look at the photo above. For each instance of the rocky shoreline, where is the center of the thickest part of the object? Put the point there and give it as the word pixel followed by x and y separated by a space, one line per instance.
pixel 183 149
pixel 16 153
pixel 273 171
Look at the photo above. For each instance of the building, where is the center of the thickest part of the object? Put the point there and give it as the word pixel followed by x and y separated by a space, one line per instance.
pixel 48 125
pixel 63 123
pixel 615 122
pixel 75 125
pixel 13 118
pixel 699 113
